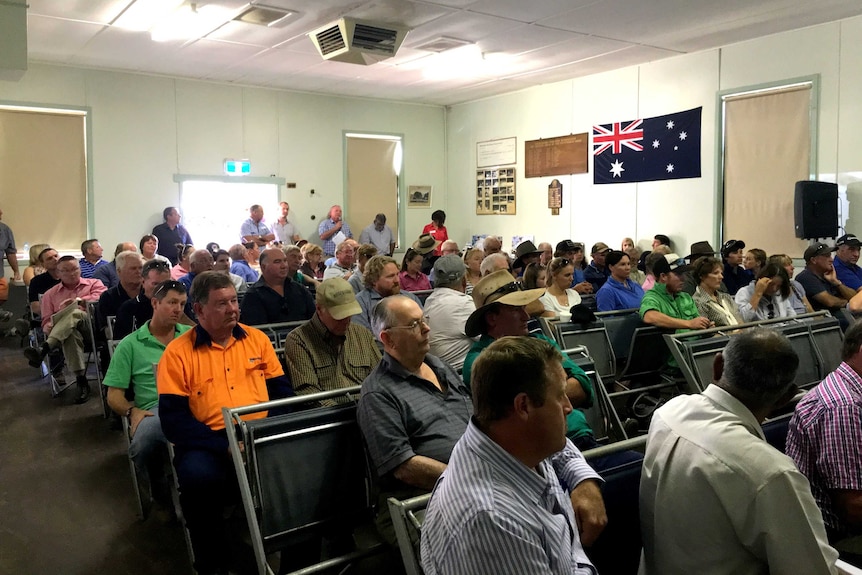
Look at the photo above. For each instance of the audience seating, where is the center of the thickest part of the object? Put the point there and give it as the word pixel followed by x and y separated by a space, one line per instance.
pixel 301 474
pixel 601 417
pixel 595 338
pixel 816 338
pixel 621 326
pixel 422 294
pixel 407 517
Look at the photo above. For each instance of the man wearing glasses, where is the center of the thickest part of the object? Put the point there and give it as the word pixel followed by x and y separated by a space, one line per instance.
pixel 413 407
pixel 132 367
pixel 63 316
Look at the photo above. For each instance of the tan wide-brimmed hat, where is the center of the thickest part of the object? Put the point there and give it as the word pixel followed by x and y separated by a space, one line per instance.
pixel 426 243
pixel 497 288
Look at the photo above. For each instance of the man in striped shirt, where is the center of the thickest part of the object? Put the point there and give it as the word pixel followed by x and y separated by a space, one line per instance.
pixel 825 441
pixel 517 496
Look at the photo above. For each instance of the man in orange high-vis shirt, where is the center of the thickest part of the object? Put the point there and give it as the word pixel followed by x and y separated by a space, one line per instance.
pixel 219 363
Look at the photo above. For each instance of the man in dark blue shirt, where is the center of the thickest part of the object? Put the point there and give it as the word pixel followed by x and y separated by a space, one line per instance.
pixel 845 261
pixel 170 234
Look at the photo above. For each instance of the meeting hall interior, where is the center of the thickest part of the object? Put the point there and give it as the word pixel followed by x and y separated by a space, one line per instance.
pixel 112 110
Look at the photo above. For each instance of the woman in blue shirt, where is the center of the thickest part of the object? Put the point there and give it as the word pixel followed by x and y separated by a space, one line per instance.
pixel 619 292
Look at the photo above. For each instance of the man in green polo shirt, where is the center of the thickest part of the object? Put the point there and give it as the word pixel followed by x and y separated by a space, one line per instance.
pixel 132 366
pixel 500 311
pixel 666 305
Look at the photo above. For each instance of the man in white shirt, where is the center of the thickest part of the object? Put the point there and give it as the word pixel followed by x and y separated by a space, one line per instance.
pixel 715 497
pixel 285 230
pixel 380 235
pixel 447 310
pixel 345 262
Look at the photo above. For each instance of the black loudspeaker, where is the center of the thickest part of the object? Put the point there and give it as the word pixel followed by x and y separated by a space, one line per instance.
pixel 815 210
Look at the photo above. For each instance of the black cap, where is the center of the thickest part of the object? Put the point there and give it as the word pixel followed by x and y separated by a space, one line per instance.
pixel 669 263
pixel 817 250
pixel 848 240
pixel 568 246
pixel 731 246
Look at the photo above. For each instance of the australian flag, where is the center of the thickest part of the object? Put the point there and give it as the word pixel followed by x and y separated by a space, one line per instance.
pixel 660 148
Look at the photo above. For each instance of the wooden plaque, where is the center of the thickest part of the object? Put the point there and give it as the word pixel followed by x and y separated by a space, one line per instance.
pixel 556 156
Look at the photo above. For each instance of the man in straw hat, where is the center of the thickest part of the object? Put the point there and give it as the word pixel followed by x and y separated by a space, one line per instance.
pixel 501 304
pixel 427 246
pixel 329 351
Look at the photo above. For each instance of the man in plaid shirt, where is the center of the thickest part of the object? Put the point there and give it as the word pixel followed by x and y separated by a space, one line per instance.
pixel 825 441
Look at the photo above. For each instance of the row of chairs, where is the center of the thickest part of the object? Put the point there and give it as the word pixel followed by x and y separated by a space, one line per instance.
pixel 816 337
pixel 618 548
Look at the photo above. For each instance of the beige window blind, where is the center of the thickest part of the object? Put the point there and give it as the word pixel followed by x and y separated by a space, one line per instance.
pixel 767 150
pixel 372 184
pixel 43 178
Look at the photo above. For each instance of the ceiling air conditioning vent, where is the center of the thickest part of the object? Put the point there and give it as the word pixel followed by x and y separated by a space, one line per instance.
pixel 358 42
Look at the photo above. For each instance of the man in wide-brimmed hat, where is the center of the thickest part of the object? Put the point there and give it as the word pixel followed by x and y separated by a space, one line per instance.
pixel 501 311
pixel 698 250
pixel 525 254
pixel 427 246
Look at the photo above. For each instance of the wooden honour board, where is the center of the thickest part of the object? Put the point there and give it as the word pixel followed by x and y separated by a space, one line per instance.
pixel 556 156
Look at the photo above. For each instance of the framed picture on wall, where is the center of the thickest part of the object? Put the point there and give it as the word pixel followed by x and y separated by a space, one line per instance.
pixel 419 197
pixel 495 192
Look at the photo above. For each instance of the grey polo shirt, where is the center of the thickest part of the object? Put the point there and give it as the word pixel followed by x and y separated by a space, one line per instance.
pixel 7 244
pixel 402 415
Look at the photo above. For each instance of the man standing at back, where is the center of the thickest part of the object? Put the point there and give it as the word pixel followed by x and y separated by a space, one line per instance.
pixel 284 229
pixel 330 227
pixel 254 230
pixel 170 233
pixel 7 250
pixel 379 234
pixel 715 497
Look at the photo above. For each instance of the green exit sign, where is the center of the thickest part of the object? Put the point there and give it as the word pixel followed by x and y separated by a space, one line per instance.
pixel 237 167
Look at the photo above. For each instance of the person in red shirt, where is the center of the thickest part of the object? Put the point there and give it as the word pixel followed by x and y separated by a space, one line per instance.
pixel 437 229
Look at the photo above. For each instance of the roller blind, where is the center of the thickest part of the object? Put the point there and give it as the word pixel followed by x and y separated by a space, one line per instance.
pixel 43 178
pixel 372 185
pixel 767 150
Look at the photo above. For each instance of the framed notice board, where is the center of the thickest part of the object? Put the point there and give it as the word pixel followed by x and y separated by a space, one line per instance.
pixel 556 156
pixel 495 192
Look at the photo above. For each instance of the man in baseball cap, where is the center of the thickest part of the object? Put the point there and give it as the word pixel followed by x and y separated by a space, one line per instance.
pixel 597 273
pixel 845 261
pixel 447 310
pixel 735 276
pixel 329 351
pixel 666 305
pixel 822 287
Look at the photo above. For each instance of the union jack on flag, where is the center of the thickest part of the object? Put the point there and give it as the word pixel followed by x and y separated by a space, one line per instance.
pixel 616 136
pixel 660 148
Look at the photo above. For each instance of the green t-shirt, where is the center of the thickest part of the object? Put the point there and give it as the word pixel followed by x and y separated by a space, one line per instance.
pixel 132 364
pixel 576 422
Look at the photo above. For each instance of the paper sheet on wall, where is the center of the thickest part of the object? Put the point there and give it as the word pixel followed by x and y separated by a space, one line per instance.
pixel 338 238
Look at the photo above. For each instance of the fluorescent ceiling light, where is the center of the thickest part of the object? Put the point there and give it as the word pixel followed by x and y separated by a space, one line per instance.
pixel 463 62
pixel 190 22
pixel 143 14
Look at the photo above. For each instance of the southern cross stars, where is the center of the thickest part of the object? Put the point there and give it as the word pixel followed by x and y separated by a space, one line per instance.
pixel 670 125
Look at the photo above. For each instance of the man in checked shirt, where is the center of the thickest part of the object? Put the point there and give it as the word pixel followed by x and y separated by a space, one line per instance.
pixel 825 442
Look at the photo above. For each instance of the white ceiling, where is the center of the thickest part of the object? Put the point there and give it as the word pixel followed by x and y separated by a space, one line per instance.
pixel 538 41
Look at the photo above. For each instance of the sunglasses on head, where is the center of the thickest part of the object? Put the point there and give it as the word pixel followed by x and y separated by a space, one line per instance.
pixel 167 286
pixel 503 290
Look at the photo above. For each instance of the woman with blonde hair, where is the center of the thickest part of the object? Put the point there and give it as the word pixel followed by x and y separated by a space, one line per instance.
pixel 473 260
pixel 35 268
pixel 559 297
pixel 312 261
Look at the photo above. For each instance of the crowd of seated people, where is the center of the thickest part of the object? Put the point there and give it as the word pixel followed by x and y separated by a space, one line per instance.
pixel 361 324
